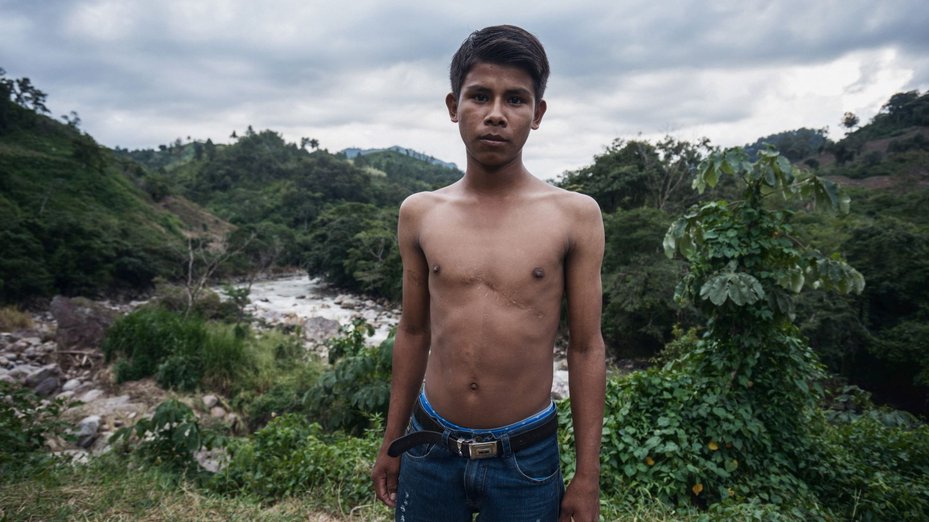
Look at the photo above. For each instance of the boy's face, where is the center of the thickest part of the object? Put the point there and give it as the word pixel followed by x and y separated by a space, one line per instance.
pixel 495 112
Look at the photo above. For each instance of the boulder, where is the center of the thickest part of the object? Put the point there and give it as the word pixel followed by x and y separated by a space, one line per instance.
pixel 87 431
pixel 47 386
pixel 560 385
pixel 319 329
pixel 81 322
pixel 209 401
pixel 72 384
pixel 41 374
pixel 217 412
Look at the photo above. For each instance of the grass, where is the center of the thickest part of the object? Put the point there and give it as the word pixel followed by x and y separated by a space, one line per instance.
pixel 11 318
pixel 110 488
pixel 113 488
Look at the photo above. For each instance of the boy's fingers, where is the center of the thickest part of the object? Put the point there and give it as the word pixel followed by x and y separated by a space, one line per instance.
pixel 392 487
pixel 386 493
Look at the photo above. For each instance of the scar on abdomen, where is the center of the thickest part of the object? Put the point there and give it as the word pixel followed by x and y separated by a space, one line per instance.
pixel 473 385
pixel 538 273
pixel 436 269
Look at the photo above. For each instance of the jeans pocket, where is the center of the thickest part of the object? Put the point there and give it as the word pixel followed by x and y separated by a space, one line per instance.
pixel 539 462
pixel 420 452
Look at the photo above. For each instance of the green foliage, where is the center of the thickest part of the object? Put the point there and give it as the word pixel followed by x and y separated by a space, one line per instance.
pixel 638 173
pixel 356 387
pixel 730 417
pixel 403 175
pixel 182 353
pixel 350 341
pixel 872 471
pixel 795 145
pixel 291 456
pixel 26 422
pixel 71 221
pixel 354 246
pixel 170 437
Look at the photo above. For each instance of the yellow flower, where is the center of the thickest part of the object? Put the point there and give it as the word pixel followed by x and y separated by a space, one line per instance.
pixel 712 445
pixel 697 488
pixel 650 461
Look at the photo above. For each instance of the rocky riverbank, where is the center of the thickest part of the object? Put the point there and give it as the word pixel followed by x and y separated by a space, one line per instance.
pixel 59 356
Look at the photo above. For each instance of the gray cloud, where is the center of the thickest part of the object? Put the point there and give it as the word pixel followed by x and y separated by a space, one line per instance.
pixel 374 73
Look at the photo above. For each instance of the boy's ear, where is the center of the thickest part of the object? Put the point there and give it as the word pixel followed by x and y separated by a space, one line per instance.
pixel 539 112
pixel 452 103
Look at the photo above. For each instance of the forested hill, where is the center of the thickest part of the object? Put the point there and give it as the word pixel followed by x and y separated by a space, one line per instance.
pixel 878 339
pixel 79 218
pixel 73 218
pixel 332 215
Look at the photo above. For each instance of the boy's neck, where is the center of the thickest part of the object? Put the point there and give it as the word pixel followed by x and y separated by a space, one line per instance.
pixel 500 181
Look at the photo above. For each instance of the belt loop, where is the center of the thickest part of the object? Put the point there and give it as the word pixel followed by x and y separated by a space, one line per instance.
pixel 505 442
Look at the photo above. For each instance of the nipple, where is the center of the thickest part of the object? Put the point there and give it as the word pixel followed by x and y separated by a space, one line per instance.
pixel 436 269
pixel 538 273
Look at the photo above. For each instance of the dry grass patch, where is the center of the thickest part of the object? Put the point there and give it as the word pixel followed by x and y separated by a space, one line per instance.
pixel 12 319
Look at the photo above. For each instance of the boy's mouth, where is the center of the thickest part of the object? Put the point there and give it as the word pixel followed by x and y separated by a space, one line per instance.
pixel 493 138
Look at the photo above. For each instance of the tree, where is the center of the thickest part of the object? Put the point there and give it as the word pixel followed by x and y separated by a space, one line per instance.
pixel 72 120
pixel 636 173
pixel 850 120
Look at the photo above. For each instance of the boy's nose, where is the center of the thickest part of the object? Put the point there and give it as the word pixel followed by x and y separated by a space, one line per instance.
pixel 495 117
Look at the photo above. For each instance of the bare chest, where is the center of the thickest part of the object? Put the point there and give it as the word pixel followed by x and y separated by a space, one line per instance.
pixel 509 248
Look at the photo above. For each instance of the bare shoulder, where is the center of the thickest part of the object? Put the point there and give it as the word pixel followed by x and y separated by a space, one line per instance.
pixel 576 206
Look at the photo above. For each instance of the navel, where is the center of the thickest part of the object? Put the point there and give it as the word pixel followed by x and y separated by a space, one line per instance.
pixel 473 386
pixel 538 273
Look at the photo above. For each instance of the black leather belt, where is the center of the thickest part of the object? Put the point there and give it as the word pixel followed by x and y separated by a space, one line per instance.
pixel 470 448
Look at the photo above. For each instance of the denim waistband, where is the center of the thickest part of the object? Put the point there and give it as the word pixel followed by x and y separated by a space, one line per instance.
pixel 522 425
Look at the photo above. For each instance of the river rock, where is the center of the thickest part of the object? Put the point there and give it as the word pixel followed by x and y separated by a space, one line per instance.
pixel 87 431
pixel 41 374
pixel 72 384
pixel 81 322
pixel 47 386
pixel 560 385
pixel 217 412
pixel 91 395
pixel 209 401
pixel 319 328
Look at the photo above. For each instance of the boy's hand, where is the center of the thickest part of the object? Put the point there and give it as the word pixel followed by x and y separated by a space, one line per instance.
pixel 581 503
pixel 384 474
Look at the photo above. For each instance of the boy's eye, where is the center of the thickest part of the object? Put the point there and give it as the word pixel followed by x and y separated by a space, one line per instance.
pixel 480 97
pixel 516 100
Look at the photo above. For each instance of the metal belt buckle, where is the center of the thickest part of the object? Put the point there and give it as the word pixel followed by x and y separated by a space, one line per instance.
pixel 482 450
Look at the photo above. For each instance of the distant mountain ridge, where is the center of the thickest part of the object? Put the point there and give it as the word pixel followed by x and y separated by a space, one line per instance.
pixel 354 152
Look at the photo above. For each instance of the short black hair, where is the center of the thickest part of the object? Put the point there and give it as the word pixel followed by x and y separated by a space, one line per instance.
pixel 501 45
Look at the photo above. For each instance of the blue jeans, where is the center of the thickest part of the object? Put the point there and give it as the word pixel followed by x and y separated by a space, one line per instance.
pixel 438 485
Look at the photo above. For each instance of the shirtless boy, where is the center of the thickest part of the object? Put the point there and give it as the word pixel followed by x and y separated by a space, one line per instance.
pixel 486 264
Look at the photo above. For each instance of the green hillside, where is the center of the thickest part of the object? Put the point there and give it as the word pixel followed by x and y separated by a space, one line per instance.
pixel 333 216
pixel 73 219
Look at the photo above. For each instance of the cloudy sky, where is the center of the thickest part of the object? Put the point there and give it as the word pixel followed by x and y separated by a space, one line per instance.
pixel 368 73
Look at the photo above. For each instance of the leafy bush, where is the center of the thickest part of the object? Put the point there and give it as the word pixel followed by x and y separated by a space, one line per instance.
pixel 170 437
pixel 181 353
pixel 291 456
pixel 26 421
pixel 871 471
pixel 357 387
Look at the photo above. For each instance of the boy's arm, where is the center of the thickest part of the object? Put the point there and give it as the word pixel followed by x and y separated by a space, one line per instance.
pixel 411 348
pixel 586 361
